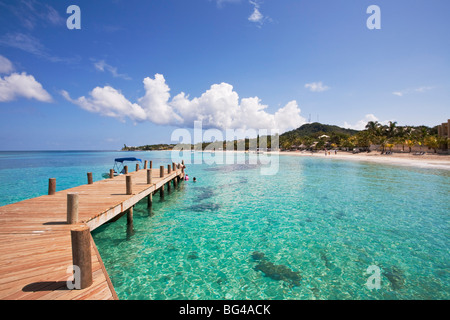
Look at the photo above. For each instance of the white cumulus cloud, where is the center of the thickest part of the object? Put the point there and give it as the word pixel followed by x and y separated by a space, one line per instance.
pixel 155 103
pixel 22 85
pixel 109 102
pixel 218 107
pixel 316 87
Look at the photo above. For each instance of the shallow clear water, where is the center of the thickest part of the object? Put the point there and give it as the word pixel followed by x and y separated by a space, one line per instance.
pixel 309 232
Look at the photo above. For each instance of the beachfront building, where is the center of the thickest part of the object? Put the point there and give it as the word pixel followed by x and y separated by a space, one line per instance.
pixel 444 130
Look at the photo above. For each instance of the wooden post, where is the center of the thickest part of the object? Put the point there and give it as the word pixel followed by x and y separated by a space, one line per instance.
pixel 151 164
pixel 125 169
pixel 72 208
pixel 161 171
pixel 81 256
pixel 129 182
pixel 161 192
pixel 168 187
pixel 130 226
pixel 169 168
pixel 89 178
pixel 149 176
pixel 173 166
pixel 145 164
pixel 130 216
pixel 150 200
pixel 51 186
pixel 111 173
pixel 137 166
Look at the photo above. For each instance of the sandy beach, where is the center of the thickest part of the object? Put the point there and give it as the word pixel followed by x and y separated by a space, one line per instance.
pixel 434 161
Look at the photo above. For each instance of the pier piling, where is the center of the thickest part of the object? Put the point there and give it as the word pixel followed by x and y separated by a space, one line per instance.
pixel 72 208
pixel 130 216
pixel 51 186
pixel 150 200
pixel 161 171
pixel 111 173
pixel 149 176
pixel 89 178
pixel 81 256
pixel 129 183
pixel 161 192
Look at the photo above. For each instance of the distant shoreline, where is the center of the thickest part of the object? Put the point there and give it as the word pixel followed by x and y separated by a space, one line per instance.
pixel 428 160
pixel 433 161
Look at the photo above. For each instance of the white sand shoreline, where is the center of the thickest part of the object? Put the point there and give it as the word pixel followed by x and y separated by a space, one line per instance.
pixel 431 161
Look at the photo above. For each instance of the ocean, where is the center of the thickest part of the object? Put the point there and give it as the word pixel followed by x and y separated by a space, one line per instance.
pixel 317 229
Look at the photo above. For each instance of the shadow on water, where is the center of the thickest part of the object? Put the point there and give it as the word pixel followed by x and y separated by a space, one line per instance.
pixel 276 272
pixel 395 276
pixel 205 193
pixel 206 206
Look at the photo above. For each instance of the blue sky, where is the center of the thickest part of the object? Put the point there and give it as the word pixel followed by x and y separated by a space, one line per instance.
pixel 137 70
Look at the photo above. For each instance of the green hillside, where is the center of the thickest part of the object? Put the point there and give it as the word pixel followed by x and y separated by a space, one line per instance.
pixel 317 129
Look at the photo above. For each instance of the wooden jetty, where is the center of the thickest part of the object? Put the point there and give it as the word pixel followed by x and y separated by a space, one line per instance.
pixel 41 239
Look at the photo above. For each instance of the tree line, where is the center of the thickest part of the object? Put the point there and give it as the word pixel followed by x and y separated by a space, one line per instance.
pixel 318 136
pixel 385 136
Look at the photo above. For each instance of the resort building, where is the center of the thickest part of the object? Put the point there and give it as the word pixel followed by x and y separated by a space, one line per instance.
pixel 444 130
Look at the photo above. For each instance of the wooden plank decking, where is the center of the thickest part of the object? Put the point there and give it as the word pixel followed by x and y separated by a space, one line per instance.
pixel 35 240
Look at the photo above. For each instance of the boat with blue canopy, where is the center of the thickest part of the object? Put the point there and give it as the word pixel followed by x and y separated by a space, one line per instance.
pixel 119 166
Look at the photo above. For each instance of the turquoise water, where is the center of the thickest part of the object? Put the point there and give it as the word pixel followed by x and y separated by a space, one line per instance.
pixel 309 232
pixel 25 175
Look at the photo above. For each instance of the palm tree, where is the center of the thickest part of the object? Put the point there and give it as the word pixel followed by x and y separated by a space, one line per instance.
pixel 297 142
pixel 410 143
pixel 421 135
pixel 400 137
pixel 372 126
pixel 391 129
pixel 383 142
pixel 374 130
pixel 363 139
pixel 307 142
pixel 409 137
pixel 286 145
pixel 432 142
